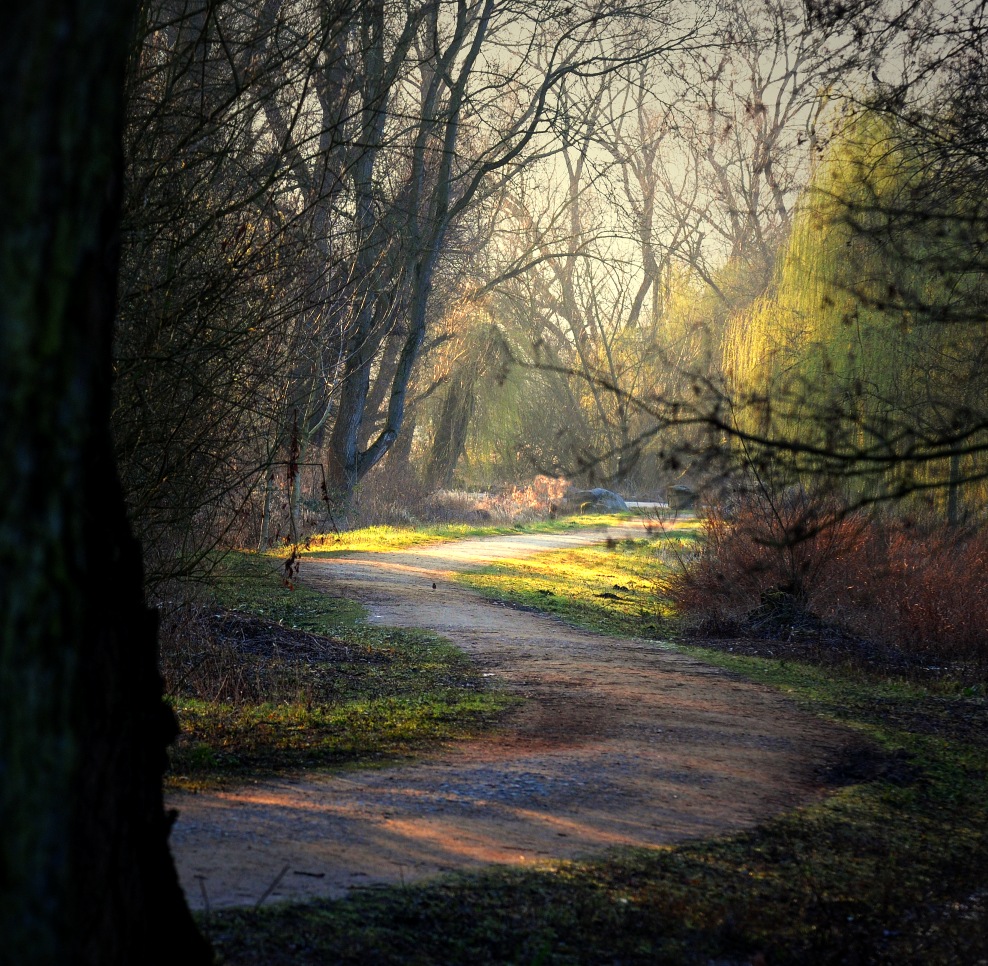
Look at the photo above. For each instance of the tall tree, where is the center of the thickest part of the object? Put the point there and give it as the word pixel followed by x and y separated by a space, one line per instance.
pixel 85 872
pixel 475 89
pixel 868 359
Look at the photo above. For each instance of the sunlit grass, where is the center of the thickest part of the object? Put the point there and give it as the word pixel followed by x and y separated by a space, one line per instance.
pixel 616 588
pixel 380 539
pixel 224 741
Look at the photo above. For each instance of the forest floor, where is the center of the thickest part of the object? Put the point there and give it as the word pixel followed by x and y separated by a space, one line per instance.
pixel 613 742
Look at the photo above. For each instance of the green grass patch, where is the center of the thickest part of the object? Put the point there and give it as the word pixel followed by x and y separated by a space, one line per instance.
pixel 615 588
pixel 307 684
pixel 251 583
pixel 231 741
pixel 381 539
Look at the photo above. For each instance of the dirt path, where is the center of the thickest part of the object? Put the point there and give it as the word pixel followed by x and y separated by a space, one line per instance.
pixel 618 742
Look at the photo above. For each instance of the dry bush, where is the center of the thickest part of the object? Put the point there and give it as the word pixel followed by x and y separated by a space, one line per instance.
pixel 391 495
pixel 410 504
pixel 509 505
pixel 794 545
pixel 912 589
pixel 373 510
pixel 223 656
pixel 923 590
pixel 538 500
pixel 453 506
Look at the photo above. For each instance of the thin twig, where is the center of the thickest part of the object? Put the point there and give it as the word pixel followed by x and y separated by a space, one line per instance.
pixel 205 902
pixel 272 887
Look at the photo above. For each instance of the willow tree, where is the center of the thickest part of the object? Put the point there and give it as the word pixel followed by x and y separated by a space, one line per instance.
pixel 869 358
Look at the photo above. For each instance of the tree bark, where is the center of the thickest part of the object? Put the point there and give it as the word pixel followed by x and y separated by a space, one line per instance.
pixel 85 872
pixel 954 481
pixel 449 439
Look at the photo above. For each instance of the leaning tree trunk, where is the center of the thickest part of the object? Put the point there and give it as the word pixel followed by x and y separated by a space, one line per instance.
pixel 85 872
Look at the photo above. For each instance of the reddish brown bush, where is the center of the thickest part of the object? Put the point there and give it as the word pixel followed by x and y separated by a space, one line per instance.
pixel 923 590
pixel 792 545
pixel 509 505
pixel 915 589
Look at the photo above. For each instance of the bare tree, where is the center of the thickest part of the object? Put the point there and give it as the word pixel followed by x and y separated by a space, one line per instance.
pixel 748 119
pixel 229 326
pixel 482 112
pixel 674 185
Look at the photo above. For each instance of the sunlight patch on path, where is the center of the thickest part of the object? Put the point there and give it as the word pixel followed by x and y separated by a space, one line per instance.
pixel 617 742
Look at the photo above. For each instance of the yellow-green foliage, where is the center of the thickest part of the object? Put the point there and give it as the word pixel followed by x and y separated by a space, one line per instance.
pixel 852 346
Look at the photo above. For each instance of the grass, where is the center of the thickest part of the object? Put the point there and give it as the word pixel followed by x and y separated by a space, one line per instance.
pixel 887 869
pixel 380 539
pixel 355 694
pixel 615 589
pixel 229 742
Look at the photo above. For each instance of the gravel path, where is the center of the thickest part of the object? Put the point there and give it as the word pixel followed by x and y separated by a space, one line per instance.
pixel 618 742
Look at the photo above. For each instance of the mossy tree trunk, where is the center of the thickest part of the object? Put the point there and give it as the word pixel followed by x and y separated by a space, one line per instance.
pixel 85 872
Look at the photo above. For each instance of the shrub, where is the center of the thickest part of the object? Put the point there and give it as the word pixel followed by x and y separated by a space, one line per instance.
pixel 796 559
pixel 923 590
pixel 217 655
pixel 793 546
pixel 505 506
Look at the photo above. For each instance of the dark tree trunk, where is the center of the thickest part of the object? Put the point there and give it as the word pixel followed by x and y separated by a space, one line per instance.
pixel 85 872
pixel 449 441
pixel 954 491
pixel 347 463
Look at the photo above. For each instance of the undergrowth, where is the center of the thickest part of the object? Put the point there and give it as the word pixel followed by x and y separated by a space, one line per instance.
pixel 397 498
pixel 789 567
pixel 265 679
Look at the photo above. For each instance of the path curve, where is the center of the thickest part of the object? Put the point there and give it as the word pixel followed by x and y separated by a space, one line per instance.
pixel 618 742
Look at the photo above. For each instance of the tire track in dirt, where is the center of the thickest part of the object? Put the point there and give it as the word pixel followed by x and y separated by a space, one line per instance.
pixel 618 742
